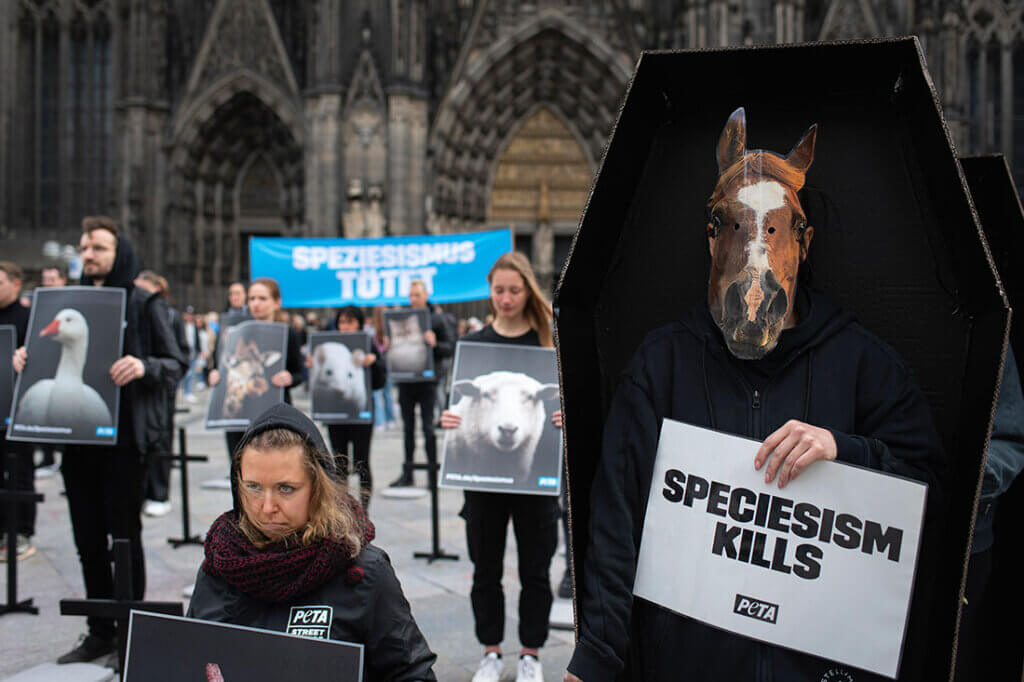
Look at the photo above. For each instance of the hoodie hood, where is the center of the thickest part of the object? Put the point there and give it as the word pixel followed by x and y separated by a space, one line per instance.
pixel 282 416
pixel 124 270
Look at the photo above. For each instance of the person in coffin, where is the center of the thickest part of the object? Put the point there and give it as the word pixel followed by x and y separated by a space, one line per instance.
pixel 296 541
pixel 768 359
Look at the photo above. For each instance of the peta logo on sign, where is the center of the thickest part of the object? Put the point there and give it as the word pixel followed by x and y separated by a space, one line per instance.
pixel 756 609
pixel 310 621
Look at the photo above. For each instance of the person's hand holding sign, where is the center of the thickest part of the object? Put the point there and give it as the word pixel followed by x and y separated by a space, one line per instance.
pixel 792 449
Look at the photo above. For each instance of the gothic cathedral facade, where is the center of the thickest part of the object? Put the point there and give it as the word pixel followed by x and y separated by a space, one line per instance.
pixel 200 123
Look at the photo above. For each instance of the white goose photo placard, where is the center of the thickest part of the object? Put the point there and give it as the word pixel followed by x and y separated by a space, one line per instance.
pixel 65 393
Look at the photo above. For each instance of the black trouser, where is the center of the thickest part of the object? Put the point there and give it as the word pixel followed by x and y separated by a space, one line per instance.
pixel 359 435
pixel 17 473
pixel 104 486
pixel 409 396
pixel 535 522
pixel 158 468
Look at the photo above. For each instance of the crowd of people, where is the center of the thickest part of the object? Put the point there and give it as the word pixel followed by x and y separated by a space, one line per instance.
pixel 170 352
pixel 297 536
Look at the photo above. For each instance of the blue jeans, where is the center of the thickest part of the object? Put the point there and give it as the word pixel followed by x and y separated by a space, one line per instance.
pixel 383 404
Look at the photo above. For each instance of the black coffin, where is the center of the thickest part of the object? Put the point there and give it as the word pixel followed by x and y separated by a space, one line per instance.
pixel 896 242
pixel 1000 655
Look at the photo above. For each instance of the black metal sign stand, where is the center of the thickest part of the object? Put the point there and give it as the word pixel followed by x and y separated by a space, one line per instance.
pixel 182 459
pixel 11 500
pixel 120 607
pixel 436 553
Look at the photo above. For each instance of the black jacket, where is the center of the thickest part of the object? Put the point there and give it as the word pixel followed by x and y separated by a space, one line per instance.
pixel 372 612
pixel 149 337
pixel 827 371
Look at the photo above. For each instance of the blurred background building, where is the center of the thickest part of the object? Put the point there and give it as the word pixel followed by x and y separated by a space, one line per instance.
pixel 200 123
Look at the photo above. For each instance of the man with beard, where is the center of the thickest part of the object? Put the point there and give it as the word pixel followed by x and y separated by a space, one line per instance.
pixel 104 482
pixel 766 358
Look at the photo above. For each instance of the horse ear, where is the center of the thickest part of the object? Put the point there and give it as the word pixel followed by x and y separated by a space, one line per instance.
pixel 802 155
pixel 732 145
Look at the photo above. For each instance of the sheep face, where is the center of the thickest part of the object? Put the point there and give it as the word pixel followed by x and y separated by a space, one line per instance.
pixel 503 413
pixel 338 373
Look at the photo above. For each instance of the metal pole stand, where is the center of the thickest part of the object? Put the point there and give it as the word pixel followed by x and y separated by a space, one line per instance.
pixel 436 553
pixel 183 458
pixel 10 500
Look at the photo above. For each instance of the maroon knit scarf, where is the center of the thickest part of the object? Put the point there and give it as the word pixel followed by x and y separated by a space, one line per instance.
pixel 282 570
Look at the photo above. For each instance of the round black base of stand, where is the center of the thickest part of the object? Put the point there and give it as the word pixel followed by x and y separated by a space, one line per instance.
pixel 25 606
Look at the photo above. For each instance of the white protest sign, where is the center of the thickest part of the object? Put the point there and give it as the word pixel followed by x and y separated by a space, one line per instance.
pixel 824 566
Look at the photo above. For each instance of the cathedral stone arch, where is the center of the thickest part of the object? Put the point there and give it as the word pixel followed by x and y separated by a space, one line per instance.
pixel 545 62
pixel 238 173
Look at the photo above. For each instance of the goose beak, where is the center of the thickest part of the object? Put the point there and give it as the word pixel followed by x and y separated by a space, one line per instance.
pixel 51 328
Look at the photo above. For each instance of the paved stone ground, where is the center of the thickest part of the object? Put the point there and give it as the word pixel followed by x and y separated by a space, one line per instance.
pixel 438 592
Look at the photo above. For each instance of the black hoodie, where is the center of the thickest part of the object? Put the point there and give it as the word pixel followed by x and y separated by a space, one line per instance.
pixel 147 336
pixel 827 371
pixel 372 611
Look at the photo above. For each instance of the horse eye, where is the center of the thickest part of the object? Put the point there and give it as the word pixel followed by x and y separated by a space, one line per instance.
pixel 771 230
pixel 736 227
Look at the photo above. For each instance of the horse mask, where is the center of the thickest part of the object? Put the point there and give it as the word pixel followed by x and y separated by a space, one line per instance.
pixel 758 236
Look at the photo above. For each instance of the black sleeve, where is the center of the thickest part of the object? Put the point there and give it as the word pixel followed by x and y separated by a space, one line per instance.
pixel 211 362
pixel 165 364
pixel 616 523
pixel 293 358
pixel 378 374
pixel 179 332
pixel 395 648
pixel 445 346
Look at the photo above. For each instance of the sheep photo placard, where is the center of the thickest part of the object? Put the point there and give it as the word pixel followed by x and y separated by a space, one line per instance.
pixel 7 343
pixel 65 394
pixel 339 381
pixel 251 353
pixel 172 649
pixel 506 442
pixel 409 358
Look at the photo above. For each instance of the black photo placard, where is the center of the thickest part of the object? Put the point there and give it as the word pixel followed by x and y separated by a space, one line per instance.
pixel 339 380
pixel 506 441
pixel 409 358
pixel 251 353
pixel 7 343
pixel 65 394
pixel 170 649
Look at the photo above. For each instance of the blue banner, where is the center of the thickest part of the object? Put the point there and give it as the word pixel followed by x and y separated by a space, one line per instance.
pixel 316 273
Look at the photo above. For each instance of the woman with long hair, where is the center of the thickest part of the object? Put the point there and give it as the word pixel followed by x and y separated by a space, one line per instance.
pixel 265 306
pixel 522 317
pixel 295 539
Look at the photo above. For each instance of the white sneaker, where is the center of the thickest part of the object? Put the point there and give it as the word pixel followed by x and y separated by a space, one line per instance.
pixel 529 670
pixel 46 471
pixel 191 398
pixel 490 668
pixel 156 508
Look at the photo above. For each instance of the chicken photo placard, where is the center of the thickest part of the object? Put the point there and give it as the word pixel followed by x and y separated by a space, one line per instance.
pixel 7 341
pixel 505 396
pixel 65 394
pixel 339 378
pixel 409 358
pixel 251 353
pixel 175 649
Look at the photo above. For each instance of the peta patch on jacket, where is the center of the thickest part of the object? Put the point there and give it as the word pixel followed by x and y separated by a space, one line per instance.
pixel 721 546
pixel 310 621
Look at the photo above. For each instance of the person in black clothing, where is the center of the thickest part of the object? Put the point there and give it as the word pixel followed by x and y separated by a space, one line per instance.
pixel 104 482
pixel 521 317
pixel 157 484
pixel 265 306
pixel 350 319
pixel 421 393
pixel 766 358
pixel 295 539
pixel 16 471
